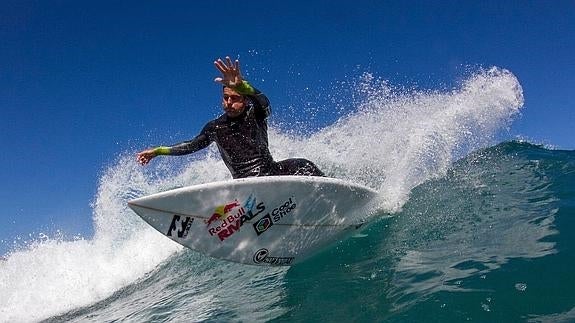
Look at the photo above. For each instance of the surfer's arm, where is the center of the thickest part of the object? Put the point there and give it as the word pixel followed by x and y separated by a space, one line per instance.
pixel 260 101
pixel 187 147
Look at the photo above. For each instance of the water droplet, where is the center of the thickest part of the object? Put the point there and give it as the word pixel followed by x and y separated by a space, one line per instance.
pixel 521 287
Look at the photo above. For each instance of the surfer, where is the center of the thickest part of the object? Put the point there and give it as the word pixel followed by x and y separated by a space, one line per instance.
pixel 241 133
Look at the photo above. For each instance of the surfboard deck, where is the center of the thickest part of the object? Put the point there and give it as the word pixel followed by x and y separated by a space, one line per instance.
pixel 273 221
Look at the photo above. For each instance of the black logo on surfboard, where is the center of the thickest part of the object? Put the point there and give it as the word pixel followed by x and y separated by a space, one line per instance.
pixel 275 216
pixel 183 228
pixel 263 256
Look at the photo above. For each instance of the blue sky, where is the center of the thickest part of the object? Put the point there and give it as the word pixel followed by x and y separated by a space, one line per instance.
pixel 84 81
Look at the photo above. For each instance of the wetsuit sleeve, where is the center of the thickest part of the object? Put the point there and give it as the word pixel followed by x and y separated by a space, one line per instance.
pixel 260 100
pixel 201 141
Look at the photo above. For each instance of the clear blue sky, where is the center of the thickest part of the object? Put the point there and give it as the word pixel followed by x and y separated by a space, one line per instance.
pixel 84 81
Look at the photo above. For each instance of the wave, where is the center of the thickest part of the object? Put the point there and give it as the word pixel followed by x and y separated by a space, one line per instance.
pixel 462 246
pixel 402 143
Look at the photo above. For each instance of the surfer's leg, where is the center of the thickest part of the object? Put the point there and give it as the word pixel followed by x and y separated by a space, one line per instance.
pixel 297 166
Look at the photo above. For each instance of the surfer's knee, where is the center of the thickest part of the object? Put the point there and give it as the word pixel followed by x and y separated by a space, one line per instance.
pixel 310 169
pixel 298 167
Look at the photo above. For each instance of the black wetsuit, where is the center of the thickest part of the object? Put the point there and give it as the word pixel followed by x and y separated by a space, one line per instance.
pixel 243 143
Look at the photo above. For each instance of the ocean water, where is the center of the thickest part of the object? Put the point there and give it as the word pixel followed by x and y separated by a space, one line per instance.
pixel 468 227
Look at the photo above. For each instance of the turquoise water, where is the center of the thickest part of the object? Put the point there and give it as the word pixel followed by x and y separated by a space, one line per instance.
pixel 478 231
pixel 491 241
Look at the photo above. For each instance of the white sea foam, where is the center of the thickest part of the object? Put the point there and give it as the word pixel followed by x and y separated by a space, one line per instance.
pixel 397 140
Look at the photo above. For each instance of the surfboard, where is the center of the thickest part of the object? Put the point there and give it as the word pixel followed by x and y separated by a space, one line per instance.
pixel 266 221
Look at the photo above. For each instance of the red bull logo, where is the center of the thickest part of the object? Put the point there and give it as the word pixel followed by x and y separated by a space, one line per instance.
pixel 232 216
pixel 221 211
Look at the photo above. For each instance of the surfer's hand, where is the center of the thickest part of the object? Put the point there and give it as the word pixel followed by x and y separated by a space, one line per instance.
pixel 145 156
pixel 231 75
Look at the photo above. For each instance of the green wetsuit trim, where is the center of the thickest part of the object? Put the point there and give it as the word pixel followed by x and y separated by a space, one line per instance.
pixel 162 150
pixel 244 88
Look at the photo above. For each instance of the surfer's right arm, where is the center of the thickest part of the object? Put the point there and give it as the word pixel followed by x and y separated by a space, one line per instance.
pixel 187 147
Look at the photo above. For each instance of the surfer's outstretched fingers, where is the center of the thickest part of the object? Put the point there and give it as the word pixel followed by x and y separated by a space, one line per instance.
pixel 220 65
pixel 233 67
pixel 230 72
pixel 230 64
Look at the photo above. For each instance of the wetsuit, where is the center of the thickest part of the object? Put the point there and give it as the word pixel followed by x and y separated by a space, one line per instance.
pixel 243 141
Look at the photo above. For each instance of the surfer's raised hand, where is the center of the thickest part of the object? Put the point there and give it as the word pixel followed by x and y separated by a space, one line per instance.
pixel 231 75
pixel 145 156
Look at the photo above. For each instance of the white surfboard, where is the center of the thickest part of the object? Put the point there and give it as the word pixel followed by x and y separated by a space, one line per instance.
pixel 275 220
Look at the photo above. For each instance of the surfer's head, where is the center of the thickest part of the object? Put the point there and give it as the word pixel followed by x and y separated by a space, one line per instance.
pixel 233 102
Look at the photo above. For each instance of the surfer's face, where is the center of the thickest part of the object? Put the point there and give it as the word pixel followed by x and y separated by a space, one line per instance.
pixel 233 102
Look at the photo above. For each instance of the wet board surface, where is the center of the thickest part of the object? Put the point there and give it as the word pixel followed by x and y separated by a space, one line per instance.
pixel 273 221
